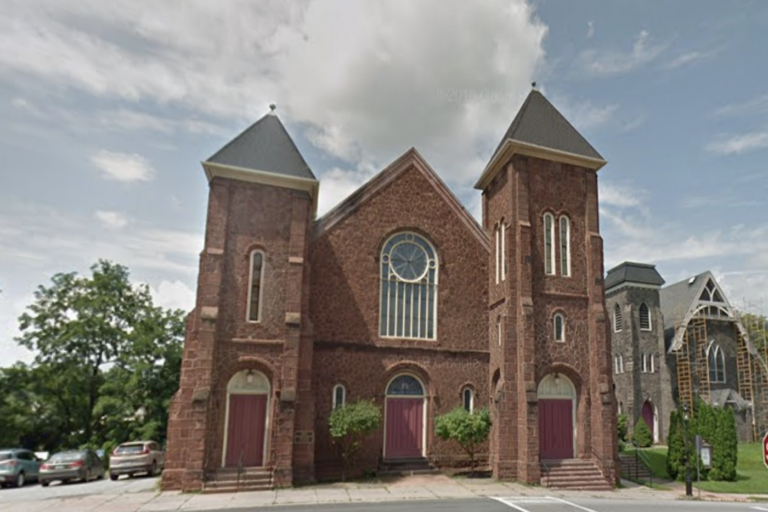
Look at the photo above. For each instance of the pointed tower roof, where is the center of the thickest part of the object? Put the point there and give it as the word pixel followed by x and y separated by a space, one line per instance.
pixel 264 153
pixel 541 131
pixel 630 273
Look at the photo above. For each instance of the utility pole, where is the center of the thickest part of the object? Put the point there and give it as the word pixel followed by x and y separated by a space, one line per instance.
pixel 688 483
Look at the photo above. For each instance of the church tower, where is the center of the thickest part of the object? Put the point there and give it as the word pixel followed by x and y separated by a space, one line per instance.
pixel 245 397
pixel 550 348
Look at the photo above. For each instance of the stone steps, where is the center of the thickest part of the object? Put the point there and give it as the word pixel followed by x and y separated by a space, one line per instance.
pixel 250 479
pixel 573 474
pixel 629 469
pixel 406 467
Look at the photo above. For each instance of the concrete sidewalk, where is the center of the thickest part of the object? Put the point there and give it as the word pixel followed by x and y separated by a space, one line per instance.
pixel 429 487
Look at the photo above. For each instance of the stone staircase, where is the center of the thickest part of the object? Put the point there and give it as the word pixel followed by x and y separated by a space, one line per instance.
pixel 634 471
pixel 573 474
pixel 226 480
pixel 406 467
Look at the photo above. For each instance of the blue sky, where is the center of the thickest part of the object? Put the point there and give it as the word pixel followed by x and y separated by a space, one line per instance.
pixel 109 107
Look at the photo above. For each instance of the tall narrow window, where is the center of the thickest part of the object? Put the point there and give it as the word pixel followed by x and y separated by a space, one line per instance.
pixel 499 333
pixel 617 323
pixel 559 327
pixel 339 395
pixel 409 272
pixel 645 317
pixel 503 250
pixel 653 363
pixel 468 398
pixel 549 244
pixel 616 365
pixel 498 251
pixel 716 360
pixel 565 246
pixel 621 363
pixel 255 286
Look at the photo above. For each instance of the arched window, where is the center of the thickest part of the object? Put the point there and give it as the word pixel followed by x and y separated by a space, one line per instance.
pixel 503 250
pixel 645 317
pixel 339 395
pixel 468 399
pixel 565 246
pixel 559 327
pixel 408 288
pixel 255 286
pixel 549 244
pixel 716 360
pixel 497 235
pixel 405 385
pixel 617 322
pixel 710 293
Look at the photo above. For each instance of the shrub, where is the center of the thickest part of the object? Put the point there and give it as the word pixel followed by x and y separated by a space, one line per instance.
pixel 621 425
pixel 467 429
pixel 676 451
pixel 349 425
pixel 642 434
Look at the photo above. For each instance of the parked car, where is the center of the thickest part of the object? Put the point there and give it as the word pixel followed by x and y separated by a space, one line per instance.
pixel 81 465
pixel 136 457
pixel 18 466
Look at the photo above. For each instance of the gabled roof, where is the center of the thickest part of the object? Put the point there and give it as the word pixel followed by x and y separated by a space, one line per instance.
pixel 539 122
pixel 540 130
pixel 633 273
pixel 681 301
pixel 264 146
pixel 723 397
pixel 410 159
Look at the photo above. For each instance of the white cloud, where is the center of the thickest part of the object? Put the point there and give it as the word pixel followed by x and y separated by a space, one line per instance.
pixel 611 62
pixel 336 185
pixel 123 166
pixel 131 120
pixel 590 29
pixel 352 75
pixel 738 144
pixel 622 196
pixel 585 115
pixel 756 105
pixel 173 295
pixel 685 59
pixel 112 220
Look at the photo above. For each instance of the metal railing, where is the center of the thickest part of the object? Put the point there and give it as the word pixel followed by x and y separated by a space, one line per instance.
pixel 239 469
pixel 639 458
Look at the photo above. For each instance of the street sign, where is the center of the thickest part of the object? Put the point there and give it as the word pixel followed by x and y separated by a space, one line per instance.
pixel 765 449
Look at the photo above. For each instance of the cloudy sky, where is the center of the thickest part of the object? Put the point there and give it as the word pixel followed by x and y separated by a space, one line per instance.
pixel 109 107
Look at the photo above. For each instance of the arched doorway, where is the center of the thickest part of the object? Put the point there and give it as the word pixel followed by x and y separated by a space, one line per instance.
pixel 651 419
pixel 557 414
pixel 247 420
pixel 405 434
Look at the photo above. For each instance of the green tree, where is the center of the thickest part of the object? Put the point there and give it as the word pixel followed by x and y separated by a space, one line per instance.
pixel 349 425
pixel 469 430
pixel 676 450
pixel 642 434
pixel 100 340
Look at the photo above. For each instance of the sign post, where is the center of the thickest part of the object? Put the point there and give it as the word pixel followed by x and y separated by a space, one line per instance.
pixel 765 449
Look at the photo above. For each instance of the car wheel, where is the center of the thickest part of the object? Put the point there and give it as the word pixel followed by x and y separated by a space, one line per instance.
pixel 153 468
pixel 45 483
pixel 21 479
pixel 113 476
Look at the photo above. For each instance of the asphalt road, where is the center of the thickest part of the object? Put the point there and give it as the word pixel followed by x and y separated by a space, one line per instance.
pixel 35 491
pixel 522 504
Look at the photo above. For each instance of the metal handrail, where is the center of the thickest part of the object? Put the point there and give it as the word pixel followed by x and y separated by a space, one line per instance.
pixel 547 472
pixel 640 455
pixel 239 469
pixel 602 462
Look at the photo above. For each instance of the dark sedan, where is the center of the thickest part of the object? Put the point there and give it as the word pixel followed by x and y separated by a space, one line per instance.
pixel 83 465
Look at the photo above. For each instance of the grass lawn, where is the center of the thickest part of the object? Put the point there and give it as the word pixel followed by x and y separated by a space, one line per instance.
pixel 751 473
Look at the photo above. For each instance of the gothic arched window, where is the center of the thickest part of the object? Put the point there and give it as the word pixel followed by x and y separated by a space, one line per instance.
pixel 645 317
pixel 255 285
pixel 549 244
pixel 716 360
pixel 617 321
pixel 409 271
pixel 565 246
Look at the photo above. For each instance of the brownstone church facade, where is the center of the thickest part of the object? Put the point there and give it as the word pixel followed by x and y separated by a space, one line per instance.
pixel 398 296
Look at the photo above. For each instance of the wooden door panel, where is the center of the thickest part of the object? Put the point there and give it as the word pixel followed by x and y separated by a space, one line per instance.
pixel 405 427
pixel 246 430
pixel 555 429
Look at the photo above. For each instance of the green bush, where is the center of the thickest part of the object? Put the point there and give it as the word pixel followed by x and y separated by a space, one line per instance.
pixel 467 429
pixel 349 425
pixel 642 434
pixel 621 424
pixel 676 451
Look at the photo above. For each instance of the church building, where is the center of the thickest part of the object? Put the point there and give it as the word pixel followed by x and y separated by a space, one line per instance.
pixel 397 295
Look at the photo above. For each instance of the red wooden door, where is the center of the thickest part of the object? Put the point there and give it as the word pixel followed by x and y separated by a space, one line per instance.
pixel 648 417
pixel 555 429
pixel 245 432
pixel 405 428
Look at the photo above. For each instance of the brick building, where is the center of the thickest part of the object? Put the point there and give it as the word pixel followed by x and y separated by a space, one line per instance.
pixel 399 296
pixel 674 343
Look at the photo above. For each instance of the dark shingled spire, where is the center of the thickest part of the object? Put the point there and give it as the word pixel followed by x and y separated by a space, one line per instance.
pixel 264 146
pixel 539 122
pixel 630 272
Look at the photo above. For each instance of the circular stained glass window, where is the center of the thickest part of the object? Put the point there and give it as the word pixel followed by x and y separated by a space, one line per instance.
pixel 408 261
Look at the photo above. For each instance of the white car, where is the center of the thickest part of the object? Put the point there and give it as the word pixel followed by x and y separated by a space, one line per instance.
pixel 136 457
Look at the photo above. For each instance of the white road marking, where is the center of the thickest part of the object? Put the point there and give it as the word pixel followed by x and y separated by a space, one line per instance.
pixel 571 504
pixel 759 508
pixel 508 503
